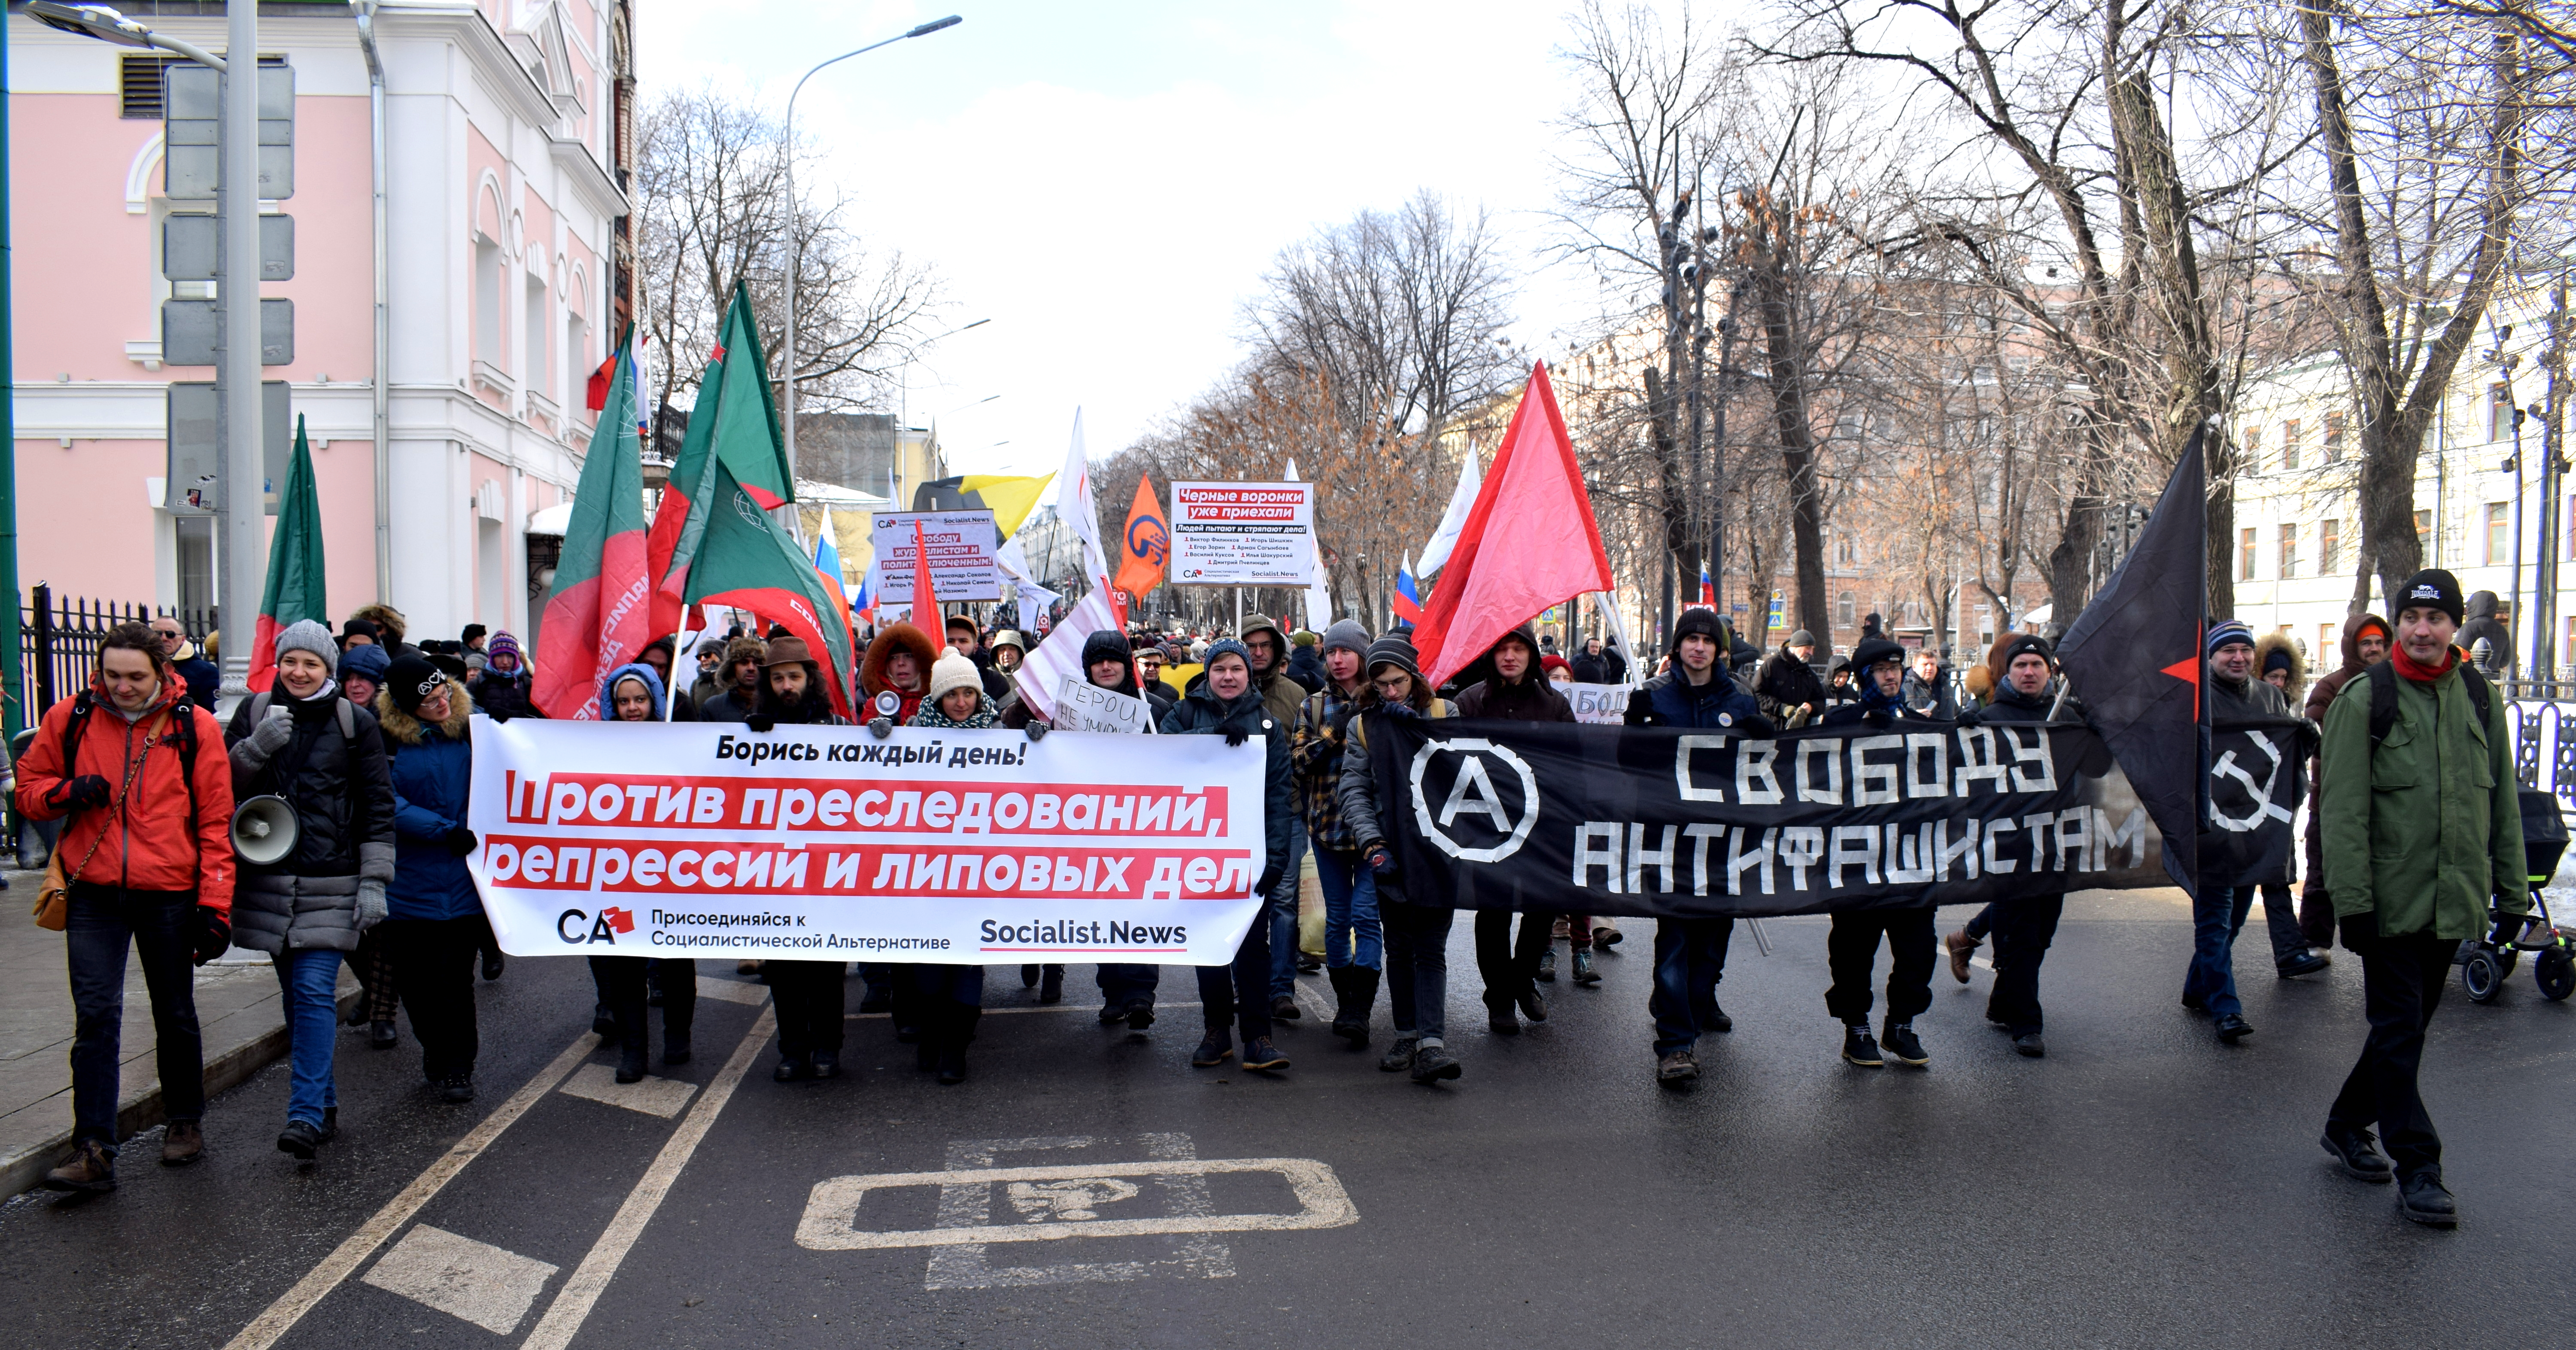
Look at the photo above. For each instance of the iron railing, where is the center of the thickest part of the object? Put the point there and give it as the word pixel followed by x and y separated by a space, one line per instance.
pixel 59 637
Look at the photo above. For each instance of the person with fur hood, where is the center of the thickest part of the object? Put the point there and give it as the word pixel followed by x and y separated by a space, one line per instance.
pixel 737 681
pixel 898 661
pixel 625 984
pixel 435 925
pixel 2366 641
pixel 2278 664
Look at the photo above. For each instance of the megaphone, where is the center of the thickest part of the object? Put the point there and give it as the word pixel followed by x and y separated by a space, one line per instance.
pixel 264 830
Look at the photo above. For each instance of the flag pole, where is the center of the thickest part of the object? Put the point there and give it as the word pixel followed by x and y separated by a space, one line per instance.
pixel 671 696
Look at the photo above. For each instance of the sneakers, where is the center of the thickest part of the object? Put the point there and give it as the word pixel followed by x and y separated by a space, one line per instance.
pixel 2358 1155
pixel 1432 1063
pixel 1859 1048
pixel 1533 1006
pixel 182 1143
pixel 1261 1054
pixel 1961 947
pixel 456 1088
pixel 1284 1009
pixel 300 1137
pixel 2424 1199
pixel 2305 963
pixel 1681 1066
pixel 380 1035
pixel 1399 1056
pixel 1547 963
pixel 791 1070
pixel 1584 974
pixel 1212 1051
pixel 2030 1046
pixel 89 1169
pixel 2233 1028
pixel 1900 1040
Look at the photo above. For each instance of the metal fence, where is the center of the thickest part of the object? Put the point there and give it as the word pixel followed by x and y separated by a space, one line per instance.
pixel 59 637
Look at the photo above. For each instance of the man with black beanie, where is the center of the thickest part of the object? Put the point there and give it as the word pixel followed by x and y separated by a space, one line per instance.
pixel 1878 669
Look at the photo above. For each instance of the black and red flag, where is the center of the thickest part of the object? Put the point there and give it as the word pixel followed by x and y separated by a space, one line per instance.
pixel 2134 657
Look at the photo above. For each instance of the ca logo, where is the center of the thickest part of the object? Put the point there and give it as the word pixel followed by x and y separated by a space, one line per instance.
pixel 1468 792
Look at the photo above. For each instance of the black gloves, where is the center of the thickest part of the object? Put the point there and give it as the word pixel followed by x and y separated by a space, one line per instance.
pixel 1969 717
pixel 1037 730
pixel 214 934
pixel 1269 879
pixel 1405 712
pixel 78 794
pixel 1379 860
pixel 2359 930
pixel 760 722
pixel 460 841
pixel 880 727
pixel 1236 733
pixel 498 715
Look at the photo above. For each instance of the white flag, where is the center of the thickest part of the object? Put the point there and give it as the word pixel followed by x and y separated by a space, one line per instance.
pixel 1454 520
pixel 1319 585
pixel 1060 654
pixel 1074 506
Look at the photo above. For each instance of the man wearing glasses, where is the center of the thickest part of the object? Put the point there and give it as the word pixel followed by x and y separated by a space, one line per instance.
pixel 201 674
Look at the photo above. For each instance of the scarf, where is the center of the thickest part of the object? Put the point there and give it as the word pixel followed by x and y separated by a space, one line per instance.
pixel 2409 668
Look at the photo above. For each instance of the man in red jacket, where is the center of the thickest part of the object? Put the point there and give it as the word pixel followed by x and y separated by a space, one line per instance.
pixel 140 777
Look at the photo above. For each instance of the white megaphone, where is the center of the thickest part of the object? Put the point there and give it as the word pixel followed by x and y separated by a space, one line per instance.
pixel 264 830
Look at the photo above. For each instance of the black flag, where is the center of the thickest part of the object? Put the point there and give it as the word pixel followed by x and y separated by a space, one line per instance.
pixel 2134 656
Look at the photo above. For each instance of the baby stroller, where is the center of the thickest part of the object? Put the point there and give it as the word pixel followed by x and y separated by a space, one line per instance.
pixel 2485 962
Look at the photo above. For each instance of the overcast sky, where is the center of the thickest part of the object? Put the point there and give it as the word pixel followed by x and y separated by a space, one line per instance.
pixel 1106 183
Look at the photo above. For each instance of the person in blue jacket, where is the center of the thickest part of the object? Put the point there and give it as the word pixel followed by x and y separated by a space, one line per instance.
pixel 1690 954
pixel 634 693
pixel 434 926
pixel 1230 705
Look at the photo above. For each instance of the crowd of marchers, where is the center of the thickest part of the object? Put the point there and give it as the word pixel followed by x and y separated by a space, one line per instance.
pixel 2414 845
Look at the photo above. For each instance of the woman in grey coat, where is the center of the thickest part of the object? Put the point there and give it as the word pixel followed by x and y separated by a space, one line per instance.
pixel 324 755
pixel 1417 935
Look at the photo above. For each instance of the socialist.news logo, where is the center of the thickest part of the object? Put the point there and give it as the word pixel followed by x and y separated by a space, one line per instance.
pixel 611 922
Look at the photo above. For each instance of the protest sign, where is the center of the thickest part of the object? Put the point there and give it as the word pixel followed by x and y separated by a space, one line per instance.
pixel 1598 704
pixel 826 843
pixel 1081 705
pixel 1242 534
pixel 961 546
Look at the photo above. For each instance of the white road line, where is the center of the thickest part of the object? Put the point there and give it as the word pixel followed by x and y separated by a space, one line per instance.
pixel 653 1096
pixel 282 1315
pixel 1036 1008
pixel 1313 1004
pixel 590 1279
pixel 1982 963
pixel 486 1285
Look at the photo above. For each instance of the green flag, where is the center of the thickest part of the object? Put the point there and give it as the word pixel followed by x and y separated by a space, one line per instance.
pixel 735 424
pixel 745 560
pixel 294 590
pixel 599 615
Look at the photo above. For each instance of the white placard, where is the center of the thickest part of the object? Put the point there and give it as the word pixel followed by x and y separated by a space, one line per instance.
pixel 1242 534
pixel 1081 705
pixel 1598 704
pixel 961 554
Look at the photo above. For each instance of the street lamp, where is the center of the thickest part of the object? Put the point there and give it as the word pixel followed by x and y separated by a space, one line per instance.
pixel 237 269
pixel 788 374
pixel 903 373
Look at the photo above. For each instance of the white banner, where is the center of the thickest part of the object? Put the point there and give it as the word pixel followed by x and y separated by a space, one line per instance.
pixel 1599 704
pixel 1081 705
pixel 1242 534
pixel 961 555
pixel 825 843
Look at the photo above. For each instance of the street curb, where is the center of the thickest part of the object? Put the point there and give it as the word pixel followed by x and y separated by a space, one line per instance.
pixel 22 1171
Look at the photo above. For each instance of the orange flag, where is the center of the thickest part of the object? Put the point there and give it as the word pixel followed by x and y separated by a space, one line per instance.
pixel 1148 543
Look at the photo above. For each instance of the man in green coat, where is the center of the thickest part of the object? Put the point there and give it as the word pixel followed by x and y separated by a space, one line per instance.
pixel 2420 832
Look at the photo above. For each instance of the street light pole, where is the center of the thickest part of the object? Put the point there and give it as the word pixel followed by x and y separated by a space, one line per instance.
pixel 787 374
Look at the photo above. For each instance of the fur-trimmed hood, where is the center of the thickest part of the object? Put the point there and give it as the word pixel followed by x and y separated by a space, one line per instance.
pixel 2264 649
pixel 410 730
pixel 896 637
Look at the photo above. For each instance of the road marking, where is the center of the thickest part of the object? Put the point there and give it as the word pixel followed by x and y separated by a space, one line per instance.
pixel 653 1096
pixel 590 1279
pixel 733 991
pixel 1037 1008
pixel 1982 963
pixel 1313 1004
pixel 831 1210
pixel 968 1266
pixel 282 1315
pixel 477 1281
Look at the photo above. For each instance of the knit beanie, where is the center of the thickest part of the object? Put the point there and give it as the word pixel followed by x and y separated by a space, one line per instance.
pixel 304 635
pixel 2233 632
pixel 502 643
pixel 1396 652
pixel 2434 588
pixel 1227 647
pixel 2278 659
pixel 952 671
pixel 1347 636
pixel 366 661
pixel 409 679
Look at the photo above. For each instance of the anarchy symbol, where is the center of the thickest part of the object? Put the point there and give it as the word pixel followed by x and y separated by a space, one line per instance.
pixel 2265 808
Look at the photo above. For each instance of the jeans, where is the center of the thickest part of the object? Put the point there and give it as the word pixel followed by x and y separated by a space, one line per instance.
pixel 1851 952
pixel 1690 959
pixel 1124 985
pixel 1510 968
pixel 2216 916
pixel 1417 967
pixel 1240 990
pixel 2022 929
pixel 434 968
pixel 1353 935
pixel 622 986
pixel 2281 920
pixel 309 977
pixel 807 997
pixel 2401 982
pixel 1983 921
pixel 101 921
pixel 1283 919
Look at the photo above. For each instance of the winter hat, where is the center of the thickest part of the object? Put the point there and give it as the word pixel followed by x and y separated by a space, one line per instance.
pixel 471 632
pixel 1009 638
pixel 499 644
pixel 1802 638
pixel 2432 587
pixel 365 662
pixel 1552 663
pixel 304 635
pixel 1347 636
pixel 1393 651
pixel 409 679
pixel 956 622
pixel 2028 642
pixel 952 671
pixel 2279 658
pixel 1699 620
pixel 1872 651
pixel 1304 637
pixel 1228 647
pixel 360 628
pixel 2233 632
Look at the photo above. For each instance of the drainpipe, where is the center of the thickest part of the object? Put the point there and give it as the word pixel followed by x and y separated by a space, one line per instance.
pixel 365 11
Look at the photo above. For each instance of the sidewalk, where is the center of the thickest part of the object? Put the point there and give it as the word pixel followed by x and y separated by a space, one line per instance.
pixel 237 1012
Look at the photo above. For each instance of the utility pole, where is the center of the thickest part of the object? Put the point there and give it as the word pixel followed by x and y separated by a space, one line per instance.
pixel 13 694
pixel 2552 412
pixel 237 374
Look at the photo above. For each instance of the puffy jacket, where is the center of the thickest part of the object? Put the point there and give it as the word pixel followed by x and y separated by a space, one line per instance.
pixel 1671 700
pixel 161 840
pixel 1279 694
pixel 893 638
pixel 2422 829
pixel 1204 714
pixel 505 697
pixel 344 818
pixel 432 767
pixel 1358 786
pixel 1786 682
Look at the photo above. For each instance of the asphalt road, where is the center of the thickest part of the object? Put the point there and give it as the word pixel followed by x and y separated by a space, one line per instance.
pixel 2143 1185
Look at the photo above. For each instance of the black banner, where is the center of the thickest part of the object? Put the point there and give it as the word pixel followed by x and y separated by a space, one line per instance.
pixel 2257 777
pixel 1656 822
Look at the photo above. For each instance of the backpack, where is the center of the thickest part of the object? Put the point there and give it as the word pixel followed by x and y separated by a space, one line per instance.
pixel 2383 697
pixel 184 732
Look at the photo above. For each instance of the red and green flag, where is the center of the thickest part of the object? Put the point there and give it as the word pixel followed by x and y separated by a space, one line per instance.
pixel 736 422
pixel 294 590
pixel 741 557
pixel 599 615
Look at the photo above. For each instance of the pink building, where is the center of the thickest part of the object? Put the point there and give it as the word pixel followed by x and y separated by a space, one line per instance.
pixel 504 264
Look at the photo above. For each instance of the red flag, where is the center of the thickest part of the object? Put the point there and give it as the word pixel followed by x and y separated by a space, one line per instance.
pixel 1532 497
pixel 925 597
pixel 597 616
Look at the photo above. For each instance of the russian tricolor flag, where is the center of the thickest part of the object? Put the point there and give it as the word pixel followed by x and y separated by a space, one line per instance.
pixel 1707 588
pixel 1408 594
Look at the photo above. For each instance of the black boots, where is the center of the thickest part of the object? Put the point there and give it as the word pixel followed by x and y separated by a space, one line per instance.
pixel 1354 994
pixel 946 1030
